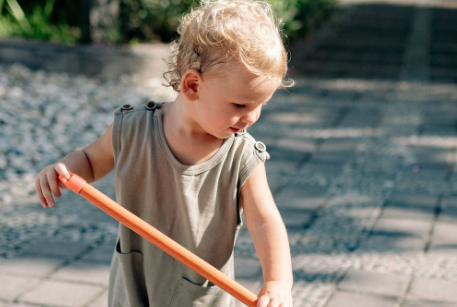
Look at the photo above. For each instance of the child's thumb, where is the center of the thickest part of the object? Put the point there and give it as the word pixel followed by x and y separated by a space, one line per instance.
pixel 62 170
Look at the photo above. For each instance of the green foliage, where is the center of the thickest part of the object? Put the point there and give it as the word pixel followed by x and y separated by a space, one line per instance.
pixel 152 19
pixel 158 19
pixel 35 23
pixel 137 20
pixel 301 16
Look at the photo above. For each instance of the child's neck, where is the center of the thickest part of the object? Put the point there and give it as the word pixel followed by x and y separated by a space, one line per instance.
pixel 188 145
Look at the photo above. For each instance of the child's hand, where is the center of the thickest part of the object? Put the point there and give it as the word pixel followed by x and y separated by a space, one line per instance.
pixel 275 294
pixel 47 183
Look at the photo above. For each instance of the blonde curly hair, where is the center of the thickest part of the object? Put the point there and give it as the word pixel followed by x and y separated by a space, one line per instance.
pixel 223 31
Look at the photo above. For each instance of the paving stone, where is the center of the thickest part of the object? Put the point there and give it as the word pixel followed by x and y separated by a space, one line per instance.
pixel 433 289
pixel 325 168
pixel 373 282
pixel 448 210
pixel 336 159
pixel 402 227
pixel 101 301
pixel 13 286
pixel 348 299
pixel 410 206
pixel 30 266
pixel 103 253
pixel 66 250
pixel 60 293
pixel 442 249
pixel 388 244
pixel 427 304
pixel 299 145
pixel 401 199
pixel 247 268
pixel 295 218
pixel 445 233
pixel 85 272
pixel 307 197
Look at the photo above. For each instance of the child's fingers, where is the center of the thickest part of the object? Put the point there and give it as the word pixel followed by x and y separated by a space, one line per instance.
pixel 39 193
pixel 46 191
pixel 263 301
pixel 53 182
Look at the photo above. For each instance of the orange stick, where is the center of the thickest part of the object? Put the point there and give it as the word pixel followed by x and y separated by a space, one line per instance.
pixel 171 247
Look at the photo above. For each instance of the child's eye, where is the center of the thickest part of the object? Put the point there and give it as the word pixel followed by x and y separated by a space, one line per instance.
pixel 239 105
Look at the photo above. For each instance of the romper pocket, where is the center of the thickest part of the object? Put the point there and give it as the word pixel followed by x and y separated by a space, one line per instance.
pixel 127 284
pixel 188 294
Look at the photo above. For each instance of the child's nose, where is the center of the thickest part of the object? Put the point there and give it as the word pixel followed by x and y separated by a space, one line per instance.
pixel 251 117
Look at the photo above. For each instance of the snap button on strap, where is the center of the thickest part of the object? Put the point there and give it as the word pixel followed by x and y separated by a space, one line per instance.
pixel 126 107
pixel 151 106
pixel 261 147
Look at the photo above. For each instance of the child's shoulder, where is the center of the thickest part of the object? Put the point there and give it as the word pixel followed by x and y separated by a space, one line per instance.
pixel 249 143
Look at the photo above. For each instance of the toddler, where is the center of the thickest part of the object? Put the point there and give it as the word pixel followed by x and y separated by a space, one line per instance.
pixel 190 169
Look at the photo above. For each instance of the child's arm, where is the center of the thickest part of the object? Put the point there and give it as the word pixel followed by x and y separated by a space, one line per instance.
pixel 92 163
pixel 270 239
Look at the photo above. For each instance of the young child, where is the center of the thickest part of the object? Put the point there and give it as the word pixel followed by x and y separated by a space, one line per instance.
pixel 190 169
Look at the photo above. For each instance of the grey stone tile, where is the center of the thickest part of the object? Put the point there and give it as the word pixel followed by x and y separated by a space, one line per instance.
pixel 433 290
pixel 426 304
pixel 13 286
pixel 339 145
pixel 102 253
pixel 395 227
pixel 30 266
pixel 386 244
pixel 295 218
pixel 448 210
pixel 445 233
pixel 101 301
pixel 425 174
pixel 305 197
pixel 60 293
pixel 67 250
pixel 410 206
pixel 373 282
pixel 401 212
pixel 442 249
pixel 300 145
pixel 348 299
pixel 247 268
pixel 85 272
pixel 326 168
pixel 412 200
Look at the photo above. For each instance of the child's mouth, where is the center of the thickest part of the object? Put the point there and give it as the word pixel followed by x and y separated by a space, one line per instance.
pixel 234 130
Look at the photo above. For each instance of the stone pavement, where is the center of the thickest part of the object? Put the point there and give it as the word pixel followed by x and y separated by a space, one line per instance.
pixel 363 170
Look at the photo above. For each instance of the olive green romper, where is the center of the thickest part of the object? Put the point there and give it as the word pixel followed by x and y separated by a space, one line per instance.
pixel 196 205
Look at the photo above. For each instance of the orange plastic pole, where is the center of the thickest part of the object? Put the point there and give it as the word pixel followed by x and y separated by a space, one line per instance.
pixel 171 247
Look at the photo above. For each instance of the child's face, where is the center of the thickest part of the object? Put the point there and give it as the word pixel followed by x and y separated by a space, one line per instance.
pixel 233 101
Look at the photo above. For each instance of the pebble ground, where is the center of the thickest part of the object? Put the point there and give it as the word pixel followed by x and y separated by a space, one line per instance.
pixel 363 168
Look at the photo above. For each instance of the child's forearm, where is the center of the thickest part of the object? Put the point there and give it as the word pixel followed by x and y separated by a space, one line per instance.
pixel 272 246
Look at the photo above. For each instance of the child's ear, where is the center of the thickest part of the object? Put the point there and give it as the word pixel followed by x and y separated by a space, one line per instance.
pixel 190 84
